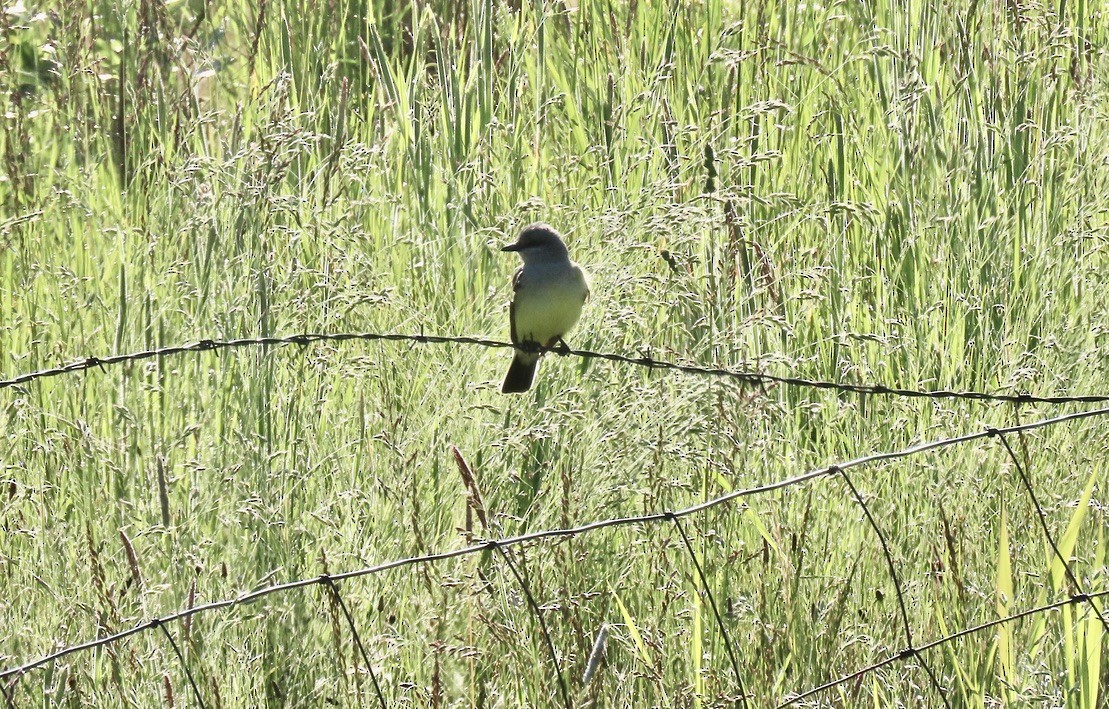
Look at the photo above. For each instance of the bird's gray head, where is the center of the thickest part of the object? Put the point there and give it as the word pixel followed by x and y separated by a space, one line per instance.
pixel 539 241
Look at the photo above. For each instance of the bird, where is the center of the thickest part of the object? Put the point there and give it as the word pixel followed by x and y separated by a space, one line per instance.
pixel 549 291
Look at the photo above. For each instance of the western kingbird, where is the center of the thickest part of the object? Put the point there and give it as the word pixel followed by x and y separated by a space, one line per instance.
pixel 548 293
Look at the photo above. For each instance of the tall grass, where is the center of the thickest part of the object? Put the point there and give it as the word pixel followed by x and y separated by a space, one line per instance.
pixel 898 192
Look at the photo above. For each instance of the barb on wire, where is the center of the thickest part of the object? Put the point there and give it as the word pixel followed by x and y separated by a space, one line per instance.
pixel 910 648
pixel 973 630
pixel 334 589
pixel 503 544
pixel 712 604
pixel 746 377
pixel 1047 532
pixel 181 657
pixel 539 617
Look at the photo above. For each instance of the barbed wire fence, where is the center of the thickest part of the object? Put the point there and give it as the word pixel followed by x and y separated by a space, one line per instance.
pixel 911 648
pixel 642 360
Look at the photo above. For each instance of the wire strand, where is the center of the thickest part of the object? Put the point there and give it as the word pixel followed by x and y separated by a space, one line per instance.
pixel 644 360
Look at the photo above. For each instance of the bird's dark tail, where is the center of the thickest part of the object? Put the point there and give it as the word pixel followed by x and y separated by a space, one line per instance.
pixel 520 374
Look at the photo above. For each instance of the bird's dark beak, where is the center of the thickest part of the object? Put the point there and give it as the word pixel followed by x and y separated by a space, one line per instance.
pixel 511 247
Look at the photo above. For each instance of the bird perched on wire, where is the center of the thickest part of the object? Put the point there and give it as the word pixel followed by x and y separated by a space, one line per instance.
pixel 549 291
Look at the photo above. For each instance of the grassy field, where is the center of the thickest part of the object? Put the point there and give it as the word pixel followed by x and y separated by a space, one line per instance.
pixel 861 192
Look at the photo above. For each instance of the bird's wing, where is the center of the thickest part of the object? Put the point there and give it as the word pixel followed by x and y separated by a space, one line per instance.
pixel 516 278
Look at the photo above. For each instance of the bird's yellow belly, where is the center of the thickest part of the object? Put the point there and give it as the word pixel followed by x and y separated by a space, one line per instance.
pixel 543 314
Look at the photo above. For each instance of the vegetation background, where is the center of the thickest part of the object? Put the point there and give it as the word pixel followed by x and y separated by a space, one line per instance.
pixel 911 193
